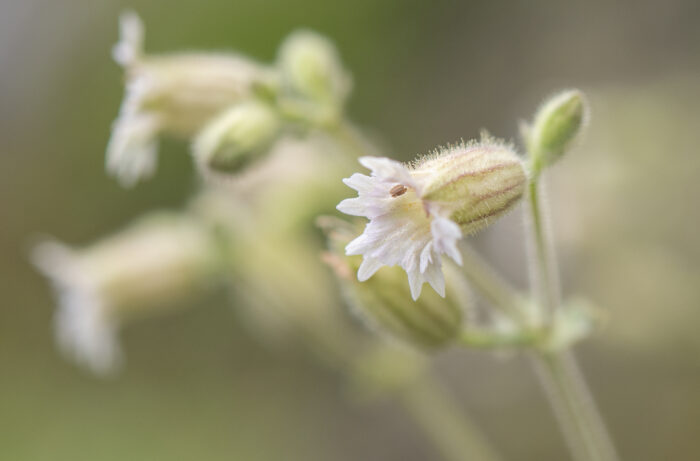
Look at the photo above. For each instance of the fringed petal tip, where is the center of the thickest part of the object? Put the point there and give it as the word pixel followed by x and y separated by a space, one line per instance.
pixel 132 151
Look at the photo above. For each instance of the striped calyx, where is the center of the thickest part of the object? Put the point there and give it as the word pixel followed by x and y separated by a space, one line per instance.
pixel 472 183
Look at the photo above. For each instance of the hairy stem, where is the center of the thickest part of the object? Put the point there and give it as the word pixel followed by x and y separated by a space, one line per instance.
pixel 457 438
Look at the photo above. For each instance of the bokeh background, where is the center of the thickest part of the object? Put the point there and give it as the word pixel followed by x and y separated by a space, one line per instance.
pixel 199 386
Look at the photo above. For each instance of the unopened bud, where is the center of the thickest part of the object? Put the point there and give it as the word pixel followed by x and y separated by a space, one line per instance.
pixel 385 302
pixel 236 137
pixel 141 270
pixel 473 183
pixel 312 68
pixel 556 125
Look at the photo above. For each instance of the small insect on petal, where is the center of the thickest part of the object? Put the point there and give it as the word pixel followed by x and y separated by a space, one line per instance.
pixel 398 190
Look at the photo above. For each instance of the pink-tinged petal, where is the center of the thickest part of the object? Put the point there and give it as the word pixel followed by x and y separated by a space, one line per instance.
pixel 446 234
pixel 352 207
pixel 358 246
pixel 368 268
pixel 387 169
pixel 426 256
pixel 433 275
pixel 360 182
pixel 415 282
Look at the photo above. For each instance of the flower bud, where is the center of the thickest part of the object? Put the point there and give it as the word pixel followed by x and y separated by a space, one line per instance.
pixel 555 127
pixel 385 301
pixel 312 68
pixel 236 137
pixel 473 184
pixel 137 272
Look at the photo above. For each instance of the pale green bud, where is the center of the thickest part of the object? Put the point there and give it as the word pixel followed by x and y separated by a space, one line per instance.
pixel 476 183
pixel 311 67
pixel 385 302
pixel 556 125
pixel 236 137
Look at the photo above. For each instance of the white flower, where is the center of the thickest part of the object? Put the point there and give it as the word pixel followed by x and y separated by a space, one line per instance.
pixel 404 229
pixel 418 213
pixel 134 273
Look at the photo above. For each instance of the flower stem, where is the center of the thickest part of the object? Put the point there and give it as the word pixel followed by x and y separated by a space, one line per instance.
pixel 573 403
pixel 457 438
pixel 543 276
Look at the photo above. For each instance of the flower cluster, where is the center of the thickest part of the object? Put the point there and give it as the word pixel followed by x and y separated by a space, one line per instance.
pixel 230 103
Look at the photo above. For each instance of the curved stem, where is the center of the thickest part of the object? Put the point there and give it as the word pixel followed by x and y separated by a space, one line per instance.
pixel 457 438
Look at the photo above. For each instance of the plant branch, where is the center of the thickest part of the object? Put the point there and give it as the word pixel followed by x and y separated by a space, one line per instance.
pixel 455 436
pixel 583 428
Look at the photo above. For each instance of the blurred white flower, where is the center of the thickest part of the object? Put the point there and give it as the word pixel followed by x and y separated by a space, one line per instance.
pixel 85 332
pixel 175 94
pixel 154 262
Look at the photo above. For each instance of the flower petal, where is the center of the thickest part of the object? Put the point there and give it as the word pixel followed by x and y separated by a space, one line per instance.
pixel 367 269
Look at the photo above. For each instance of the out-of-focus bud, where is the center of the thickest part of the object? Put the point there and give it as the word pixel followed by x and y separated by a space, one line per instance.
pixel 173 94
pixel 475 183
pixel 137 272
pixel 311 67
pixel 385 302
pixel 236 137
pixel 556 125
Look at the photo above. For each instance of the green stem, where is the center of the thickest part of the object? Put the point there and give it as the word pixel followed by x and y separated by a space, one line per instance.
pixel 573 403
pixel 545 283
pixel 582 425
pixel 457 438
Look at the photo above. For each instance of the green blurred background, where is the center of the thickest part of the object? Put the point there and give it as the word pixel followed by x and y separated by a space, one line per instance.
pixel 198 386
